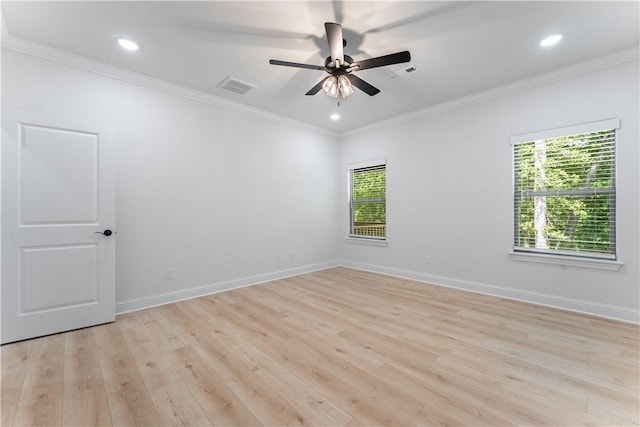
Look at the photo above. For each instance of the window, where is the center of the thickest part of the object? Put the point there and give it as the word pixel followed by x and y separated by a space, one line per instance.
pixel 367 202
pixel 565 194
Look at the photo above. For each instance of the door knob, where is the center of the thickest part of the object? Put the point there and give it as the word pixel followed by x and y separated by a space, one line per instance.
pixel 106 232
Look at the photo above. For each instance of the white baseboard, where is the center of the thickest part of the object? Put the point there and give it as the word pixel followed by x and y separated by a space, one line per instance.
pixel 185 294
pixel 585 307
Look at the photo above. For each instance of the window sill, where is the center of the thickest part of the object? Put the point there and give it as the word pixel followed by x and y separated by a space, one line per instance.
pixel 567 261
pixel 365 241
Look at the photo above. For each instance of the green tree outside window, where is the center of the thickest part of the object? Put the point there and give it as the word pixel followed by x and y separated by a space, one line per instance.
pixel 368 207
pixel 565 194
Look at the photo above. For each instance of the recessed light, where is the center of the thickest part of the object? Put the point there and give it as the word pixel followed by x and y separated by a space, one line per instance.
pixel 551 40
pixel 335 116
pixel 126 43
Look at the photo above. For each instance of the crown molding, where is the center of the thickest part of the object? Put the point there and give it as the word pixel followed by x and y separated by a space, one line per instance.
pixel 575 70
pixel 23 46
pixel 27 47
pixel 3 26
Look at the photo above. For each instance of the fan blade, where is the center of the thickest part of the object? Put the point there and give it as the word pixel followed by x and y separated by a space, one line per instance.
pixel 297 65
pixel 334 36
pixel 362 85
pixel 317 87
pixel 381 61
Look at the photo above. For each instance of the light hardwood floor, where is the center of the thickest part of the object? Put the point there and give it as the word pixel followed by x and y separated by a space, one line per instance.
pixel 336 347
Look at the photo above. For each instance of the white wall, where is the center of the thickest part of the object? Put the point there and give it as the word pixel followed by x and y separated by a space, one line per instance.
pixel 205 190
pixel 214 193
pixel 449 194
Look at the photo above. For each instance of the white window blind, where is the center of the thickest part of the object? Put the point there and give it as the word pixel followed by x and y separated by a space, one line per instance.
pixel 565 193
pixel 367 206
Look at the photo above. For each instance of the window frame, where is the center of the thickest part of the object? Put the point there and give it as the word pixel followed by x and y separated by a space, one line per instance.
pixel 357 238
pixel 566 257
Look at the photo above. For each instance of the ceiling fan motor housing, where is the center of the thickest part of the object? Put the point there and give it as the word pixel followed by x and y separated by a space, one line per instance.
pixel 339 65
pixel 344 66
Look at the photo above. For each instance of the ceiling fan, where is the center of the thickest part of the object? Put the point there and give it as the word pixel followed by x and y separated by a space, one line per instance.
pixel 340 66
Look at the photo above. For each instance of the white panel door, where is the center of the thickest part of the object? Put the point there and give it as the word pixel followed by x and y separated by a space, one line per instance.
pixel 58 219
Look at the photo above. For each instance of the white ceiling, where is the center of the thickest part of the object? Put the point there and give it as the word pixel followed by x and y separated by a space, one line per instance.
pixel 459 48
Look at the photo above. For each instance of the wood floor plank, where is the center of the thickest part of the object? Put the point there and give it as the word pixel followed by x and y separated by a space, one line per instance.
pixel 84 398
pixel 358 397
pixel 162 331
pixel 129 401
pixel 607 405
pixel 266 403
pixel 206 310
pixel 40 402
pixel 291 311
pixel 172 399
pixel 338 347
pixel 217 400
pixel 522 407
pixel 441 406
pixel 339 365
pixel 15 360
pixel 317 409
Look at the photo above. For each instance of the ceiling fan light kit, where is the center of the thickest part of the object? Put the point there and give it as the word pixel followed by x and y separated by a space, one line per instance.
pixel 341 67
pixel 345 86
pixel 337 86
pixel 330 86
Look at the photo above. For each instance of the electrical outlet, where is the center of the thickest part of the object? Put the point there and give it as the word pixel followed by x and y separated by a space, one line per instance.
pixel 168 274
pixel 292 255
pixel 427 259
pixel 277 257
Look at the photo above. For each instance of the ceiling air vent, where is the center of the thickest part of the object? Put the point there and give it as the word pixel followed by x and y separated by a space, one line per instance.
pixel 404 72
pixel 236 86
